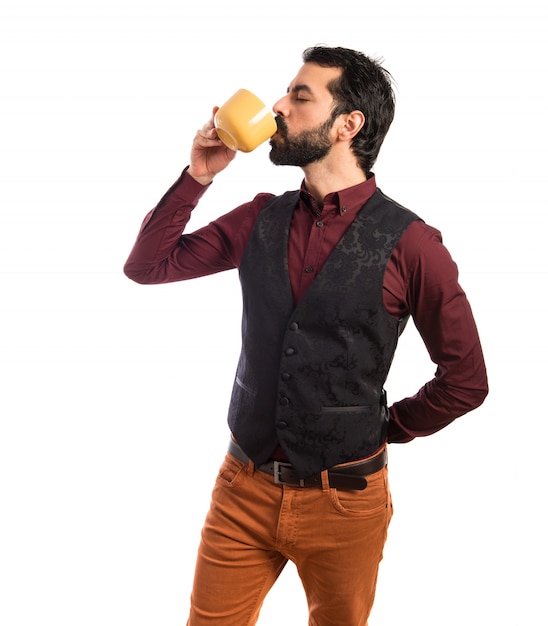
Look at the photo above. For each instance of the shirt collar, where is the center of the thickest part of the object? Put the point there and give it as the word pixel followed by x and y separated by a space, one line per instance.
pixel 344 202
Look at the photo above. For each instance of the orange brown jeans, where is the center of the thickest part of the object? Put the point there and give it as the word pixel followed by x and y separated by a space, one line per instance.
pixel 254 526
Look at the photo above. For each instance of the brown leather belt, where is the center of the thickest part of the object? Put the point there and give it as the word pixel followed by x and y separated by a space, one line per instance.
pixel 347 477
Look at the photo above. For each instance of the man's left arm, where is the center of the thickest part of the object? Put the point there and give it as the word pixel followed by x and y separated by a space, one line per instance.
pixel 443 316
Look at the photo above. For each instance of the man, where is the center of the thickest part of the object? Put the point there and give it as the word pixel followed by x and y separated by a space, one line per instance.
pixel 330 274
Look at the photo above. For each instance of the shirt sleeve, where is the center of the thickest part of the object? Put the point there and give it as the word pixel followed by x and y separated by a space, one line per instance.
pixel 163 252
pixel 442 315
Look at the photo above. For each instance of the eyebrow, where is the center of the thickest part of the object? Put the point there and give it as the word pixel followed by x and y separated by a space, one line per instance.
pixel 301 87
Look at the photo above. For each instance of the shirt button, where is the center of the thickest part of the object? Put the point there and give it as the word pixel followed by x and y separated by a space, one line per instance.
pixel 309 269
pixel 319 224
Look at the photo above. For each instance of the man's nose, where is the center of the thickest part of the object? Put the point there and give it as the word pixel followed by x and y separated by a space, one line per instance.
pixel 280 107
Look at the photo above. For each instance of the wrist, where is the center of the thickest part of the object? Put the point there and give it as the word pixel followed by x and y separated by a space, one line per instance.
pixel 202 179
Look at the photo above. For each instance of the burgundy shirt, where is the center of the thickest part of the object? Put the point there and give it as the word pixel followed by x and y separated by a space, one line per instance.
pixel 421 280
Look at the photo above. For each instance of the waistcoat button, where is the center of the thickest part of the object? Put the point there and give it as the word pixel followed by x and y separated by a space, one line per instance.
pixel 286 376
pixel 294 326
pixel 290 351
pixel 282 425
pixel 284 401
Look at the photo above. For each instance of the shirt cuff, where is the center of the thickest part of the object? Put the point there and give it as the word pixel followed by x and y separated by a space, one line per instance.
pixel 188 188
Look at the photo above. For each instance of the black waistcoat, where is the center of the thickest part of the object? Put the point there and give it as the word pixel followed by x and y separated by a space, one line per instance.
pixel 310 377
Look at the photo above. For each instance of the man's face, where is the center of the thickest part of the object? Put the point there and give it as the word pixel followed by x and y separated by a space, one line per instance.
pixel 304 118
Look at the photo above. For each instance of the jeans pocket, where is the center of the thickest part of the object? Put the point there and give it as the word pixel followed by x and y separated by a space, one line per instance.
pixel 371 501
pixel 230 471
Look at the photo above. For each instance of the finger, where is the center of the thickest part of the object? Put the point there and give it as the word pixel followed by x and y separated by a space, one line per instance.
pixel 207 139
pixel 208 131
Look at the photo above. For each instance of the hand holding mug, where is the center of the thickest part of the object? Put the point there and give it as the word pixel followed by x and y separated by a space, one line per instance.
pixel 209 155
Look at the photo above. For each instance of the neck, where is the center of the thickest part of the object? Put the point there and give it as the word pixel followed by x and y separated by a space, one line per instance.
pixel 331 174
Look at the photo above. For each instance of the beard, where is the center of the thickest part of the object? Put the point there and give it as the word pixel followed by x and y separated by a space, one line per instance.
pixel 307 147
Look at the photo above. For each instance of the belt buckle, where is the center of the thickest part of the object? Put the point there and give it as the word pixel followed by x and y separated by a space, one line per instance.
pixel 279 467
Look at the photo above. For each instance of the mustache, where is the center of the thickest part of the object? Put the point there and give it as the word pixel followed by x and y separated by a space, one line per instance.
pixel 282 126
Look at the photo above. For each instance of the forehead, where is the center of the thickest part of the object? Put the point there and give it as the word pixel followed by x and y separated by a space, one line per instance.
pixel 315 78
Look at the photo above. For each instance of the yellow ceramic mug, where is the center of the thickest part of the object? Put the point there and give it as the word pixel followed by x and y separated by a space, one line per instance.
pixel 244 122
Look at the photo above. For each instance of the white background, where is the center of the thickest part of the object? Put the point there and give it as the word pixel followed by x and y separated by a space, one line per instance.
pixel 113 396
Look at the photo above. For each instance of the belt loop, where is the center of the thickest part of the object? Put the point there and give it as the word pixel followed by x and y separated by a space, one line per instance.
pixel 250 467
pixel 325 480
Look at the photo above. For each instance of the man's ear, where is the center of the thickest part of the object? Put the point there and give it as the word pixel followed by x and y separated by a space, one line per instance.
pixel 351 124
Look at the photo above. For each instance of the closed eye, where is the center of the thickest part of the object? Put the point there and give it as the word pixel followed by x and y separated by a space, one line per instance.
pixel 298 91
